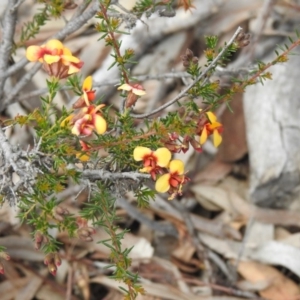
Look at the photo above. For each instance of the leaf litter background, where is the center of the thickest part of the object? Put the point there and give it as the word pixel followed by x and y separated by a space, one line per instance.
pixel 218 241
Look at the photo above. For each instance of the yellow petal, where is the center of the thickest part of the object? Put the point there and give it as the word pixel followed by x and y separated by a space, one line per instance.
pixel 75 130
pixel 82 156
pixel 85 98
pixel 87 84
pixel 125 87
pixel 163 156
pixel 73 69
pixel 162 184
pixel 217 138
pixel 138 92
pixel 70 59
pixel 211 117
pixel 32 53
pixel 100 124
pixel 66 121
pixel 140 152
pixel 203 136
pixel 50 59
pixel 98 107
pixel 176 166
pixel 214 125
pixel 54 44
pixel 145 170
pixel 66 51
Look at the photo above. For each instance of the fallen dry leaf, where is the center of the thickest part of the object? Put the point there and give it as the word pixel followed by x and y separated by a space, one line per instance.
pixel 279 254
pixel 279 286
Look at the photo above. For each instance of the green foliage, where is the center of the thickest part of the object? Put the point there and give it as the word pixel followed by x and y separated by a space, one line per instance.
pixel 32 28
pixel 54 7
pixel 143 196
pixel 143 5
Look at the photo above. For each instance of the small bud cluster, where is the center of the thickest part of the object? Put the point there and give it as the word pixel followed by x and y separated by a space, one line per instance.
pixel 84 232
pixel 243 39
pixel 59 213
pixel 189 59
pixel 39 240
pixel 52 261
pixel 175 145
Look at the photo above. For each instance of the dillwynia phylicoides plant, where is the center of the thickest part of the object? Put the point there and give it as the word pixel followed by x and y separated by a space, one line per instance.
pixel 67 146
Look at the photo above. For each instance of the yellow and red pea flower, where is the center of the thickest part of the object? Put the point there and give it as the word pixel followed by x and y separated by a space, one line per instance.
pixel 88 94
pixel 153 161
pixel 134 90
pixel 211 127
pixel 57 60
pixel 89 119
pixel 173 180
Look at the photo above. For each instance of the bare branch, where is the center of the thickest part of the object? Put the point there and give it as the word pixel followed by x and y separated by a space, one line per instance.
pixel 9 25
pixel 102 174
pixel 108 83
pixel 202 75
pixel 220 72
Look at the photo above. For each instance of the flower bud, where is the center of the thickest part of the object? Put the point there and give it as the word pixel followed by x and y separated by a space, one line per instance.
pixel 59 213
pixel 48 259
pixel 52 268
pixel 38 237
pixel 173 136
pixel 52 260
pixel 1 269
pixel 57 259
pixel 88 239
pixel 196 145
pixel 83 232
pixel 185 144
pixel 243 39
pixel 4 255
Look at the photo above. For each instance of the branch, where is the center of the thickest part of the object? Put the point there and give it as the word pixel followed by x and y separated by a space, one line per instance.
pixel 106 175
pixel 10 155
pixel 107 83
pixel 9 25
pixel 19 86
pixel 16 161
pixel 202 75
pixel 220 72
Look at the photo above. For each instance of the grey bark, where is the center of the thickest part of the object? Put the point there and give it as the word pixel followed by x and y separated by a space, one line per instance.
pixel 272 114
